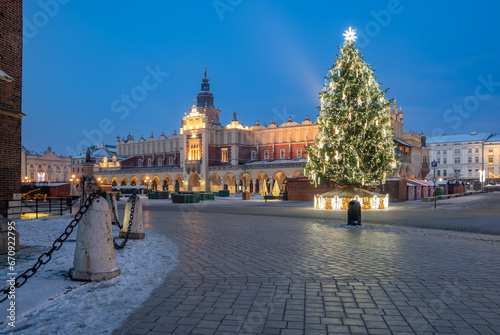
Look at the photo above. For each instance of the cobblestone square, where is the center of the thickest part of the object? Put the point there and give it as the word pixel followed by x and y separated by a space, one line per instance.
pixel 284 268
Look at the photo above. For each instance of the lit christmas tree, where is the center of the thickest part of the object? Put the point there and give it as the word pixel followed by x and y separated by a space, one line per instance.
pixel 355 144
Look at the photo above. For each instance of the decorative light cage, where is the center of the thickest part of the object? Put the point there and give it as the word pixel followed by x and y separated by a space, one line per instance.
pixel 337 203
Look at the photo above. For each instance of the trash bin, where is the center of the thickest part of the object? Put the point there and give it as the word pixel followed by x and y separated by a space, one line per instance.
pixel 354 213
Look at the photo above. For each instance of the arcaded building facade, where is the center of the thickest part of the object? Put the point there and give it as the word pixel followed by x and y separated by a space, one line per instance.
pixel 207 156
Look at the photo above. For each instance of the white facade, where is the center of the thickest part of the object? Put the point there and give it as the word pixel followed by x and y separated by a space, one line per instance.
pixel 491 155
pixel 459 156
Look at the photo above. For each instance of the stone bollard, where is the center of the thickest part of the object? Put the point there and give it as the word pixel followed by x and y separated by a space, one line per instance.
pixel 111 198
pixel 94 251
pixel 137 230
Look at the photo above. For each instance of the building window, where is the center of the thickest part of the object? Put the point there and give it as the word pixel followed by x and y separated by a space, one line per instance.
pixel 457 173
pixel 490 160
pixel 445 152
pixel 438 173
pixel 444 160
pixel 139 162
pixel 224 155
pixel 299 153
pixel 266 154
pixel 457 151
pixel 476 150
pixel 49 176
pixel 457 160
pixel 77 170
pixel 194 151
pixel 438 160
pixel 470 172
pixel 65 176
pixel 469 150
pixel 32 175
pixel 149 161
pixel 159 161
pixel 253 155
pixel 39 166
pixel 171 161
pixel 469 159
pixel 439 152
pixel 282 153
pixel 477 160
pixel 31 166
pixel 444 173
pixel 490 151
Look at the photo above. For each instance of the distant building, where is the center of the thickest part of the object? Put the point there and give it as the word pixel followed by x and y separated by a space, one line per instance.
pixel 207 156
pixel 11 74
pixel 102 155
pixel 492 159
pixel 459 157
pixel 46 167
pixel 410 149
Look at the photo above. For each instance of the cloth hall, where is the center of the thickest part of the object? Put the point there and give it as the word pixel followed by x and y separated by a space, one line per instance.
pixel 207 156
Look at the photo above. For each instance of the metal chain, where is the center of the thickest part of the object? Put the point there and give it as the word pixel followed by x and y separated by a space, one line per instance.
pixel 47 256
pixel 113 210
pixel 130 222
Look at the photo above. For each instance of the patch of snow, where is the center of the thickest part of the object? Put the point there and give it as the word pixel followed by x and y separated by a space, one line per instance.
pixel 51 303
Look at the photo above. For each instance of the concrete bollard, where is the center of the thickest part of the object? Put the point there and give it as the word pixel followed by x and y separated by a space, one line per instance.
pixel 94 251
pixel 137 231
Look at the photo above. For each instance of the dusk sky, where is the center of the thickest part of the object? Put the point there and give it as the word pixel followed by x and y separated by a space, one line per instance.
pixel 265 60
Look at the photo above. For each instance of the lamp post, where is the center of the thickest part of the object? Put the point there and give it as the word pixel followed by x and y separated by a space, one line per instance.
pixel 434 166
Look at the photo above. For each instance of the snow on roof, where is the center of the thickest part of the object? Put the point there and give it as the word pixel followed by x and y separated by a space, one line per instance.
pixel 417 182
pixel 458 138
pixel 403 143
pixel 5 77
pixel 494 138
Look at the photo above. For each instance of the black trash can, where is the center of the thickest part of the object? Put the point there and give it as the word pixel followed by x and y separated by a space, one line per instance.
pixel 354 213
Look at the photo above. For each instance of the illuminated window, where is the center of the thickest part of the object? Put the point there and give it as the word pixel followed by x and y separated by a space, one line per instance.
pixel 282 153
pixel 224 155
pixel 194 151
pixel 254 155
pixel 266 154
pixel 299 153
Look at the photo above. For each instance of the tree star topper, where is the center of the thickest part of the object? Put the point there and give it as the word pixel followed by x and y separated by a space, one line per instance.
pixel 350 35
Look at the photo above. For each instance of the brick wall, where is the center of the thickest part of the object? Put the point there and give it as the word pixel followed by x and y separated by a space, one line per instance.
pixel 10 151
pixel 11 49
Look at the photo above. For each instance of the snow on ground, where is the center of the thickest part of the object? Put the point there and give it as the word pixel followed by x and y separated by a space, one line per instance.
pixel 51 303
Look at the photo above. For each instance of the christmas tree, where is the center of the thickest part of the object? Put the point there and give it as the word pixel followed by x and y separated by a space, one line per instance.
pixel 354 145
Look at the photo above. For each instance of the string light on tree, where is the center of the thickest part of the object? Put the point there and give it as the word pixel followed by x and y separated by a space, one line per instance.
pixel 355 125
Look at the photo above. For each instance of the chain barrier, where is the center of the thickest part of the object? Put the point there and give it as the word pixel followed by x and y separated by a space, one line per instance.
pixel 130 222
pixel 58 243
pixel 113 210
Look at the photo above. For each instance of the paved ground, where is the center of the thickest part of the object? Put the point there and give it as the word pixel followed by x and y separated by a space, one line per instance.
pixel 284 268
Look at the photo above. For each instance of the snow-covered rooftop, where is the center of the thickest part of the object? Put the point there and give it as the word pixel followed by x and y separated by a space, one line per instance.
pixel 457 138
pixel 494 138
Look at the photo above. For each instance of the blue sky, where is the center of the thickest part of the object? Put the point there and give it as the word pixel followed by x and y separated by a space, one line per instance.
pixel 265 60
